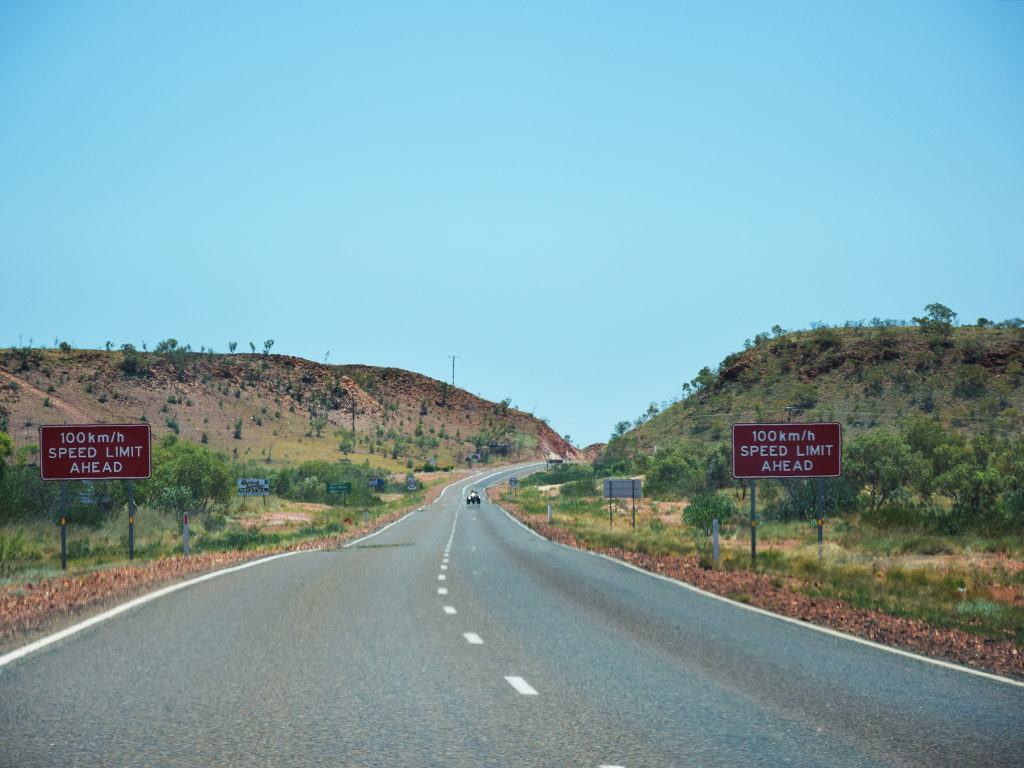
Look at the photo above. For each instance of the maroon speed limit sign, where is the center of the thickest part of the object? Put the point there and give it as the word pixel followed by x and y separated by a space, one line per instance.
pixel 787 450
pixel 94 452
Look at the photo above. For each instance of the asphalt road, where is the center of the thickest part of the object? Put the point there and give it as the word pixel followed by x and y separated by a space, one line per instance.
pixel 537 655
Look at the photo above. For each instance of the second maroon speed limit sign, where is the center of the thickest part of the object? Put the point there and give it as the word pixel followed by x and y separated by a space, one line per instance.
pixel 94 452
pixel 787 450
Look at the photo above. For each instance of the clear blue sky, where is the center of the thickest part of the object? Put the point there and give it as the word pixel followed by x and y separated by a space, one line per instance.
pixel 587 202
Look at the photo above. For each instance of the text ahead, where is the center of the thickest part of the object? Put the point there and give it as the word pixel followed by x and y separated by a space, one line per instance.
pixel 787 450
pixel 94 452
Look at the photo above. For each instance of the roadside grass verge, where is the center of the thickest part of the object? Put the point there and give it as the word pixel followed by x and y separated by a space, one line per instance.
pixel 31 551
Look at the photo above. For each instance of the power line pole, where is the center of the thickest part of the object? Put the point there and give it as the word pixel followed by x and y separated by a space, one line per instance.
pixel 453 357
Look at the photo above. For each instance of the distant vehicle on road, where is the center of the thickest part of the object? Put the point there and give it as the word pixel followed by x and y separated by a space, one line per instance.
pixel 473 498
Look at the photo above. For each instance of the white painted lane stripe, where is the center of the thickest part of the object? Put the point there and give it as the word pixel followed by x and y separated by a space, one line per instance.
pixel 444 567
pixel 441 577
pixel 450 610
pixel 610 766
pixel 472 638
pixel 521 685
pixel 445 560
pixel 797 622
pixel 442 591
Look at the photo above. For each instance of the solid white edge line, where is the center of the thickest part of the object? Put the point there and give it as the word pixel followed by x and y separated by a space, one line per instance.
pixel 763 612
pixel 56 636
pixel 521 685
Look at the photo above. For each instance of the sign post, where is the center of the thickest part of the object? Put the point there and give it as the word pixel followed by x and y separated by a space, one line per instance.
pixel 819 520
pixel 185 533
pixel 95 452
pixel 63 525
pixel 629 488
pixel 343 488
pixel 785 451
pixel 131 520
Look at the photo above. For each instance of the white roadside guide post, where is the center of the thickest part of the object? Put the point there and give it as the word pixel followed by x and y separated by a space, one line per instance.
pixel 714 524
pixel 549 513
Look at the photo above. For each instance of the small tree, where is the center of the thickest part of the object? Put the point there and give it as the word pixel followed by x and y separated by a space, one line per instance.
pixel 705 508
pixel 231 346
pixel 938 319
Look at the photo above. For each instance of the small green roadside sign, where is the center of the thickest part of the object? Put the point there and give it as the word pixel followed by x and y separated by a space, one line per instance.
pixel 339 487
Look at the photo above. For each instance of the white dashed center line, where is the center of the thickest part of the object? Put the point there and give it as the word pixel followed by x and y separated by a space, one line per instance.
pixel 472 638
pixel 446 559
pixel 450 609
pixel 521 685
pixel 442 591
pixel 444 567
pixel 441 577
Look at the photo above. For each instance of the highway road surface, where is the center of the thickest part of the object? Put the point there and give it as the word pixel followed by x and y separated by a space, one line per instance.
pixel 457 637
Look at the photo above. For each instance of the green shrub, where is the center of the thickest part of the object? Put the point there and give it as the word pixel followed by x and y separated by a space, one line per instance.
pixel 705 508
pixel 78 548
pixel 584 487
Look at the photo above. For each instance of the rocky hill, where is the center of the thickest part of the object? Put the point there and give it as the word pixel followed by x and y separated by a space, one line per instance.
pixel 265 408
pixel 866 376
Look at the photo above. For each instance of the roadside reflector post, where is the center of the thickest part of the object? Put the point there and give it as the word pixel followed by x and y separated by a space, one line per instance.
pixel 366 515
pixel 819 520
pixel 186 534
pixel 632 483
pixel 63 526
pixel 549 513
pixel 131 520
pixel 714 527
pixel 753 522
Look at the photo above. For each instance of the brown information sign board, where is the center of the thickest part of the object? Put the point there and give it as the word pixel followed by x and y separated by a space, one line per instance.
pixel 95 452
pixel 787 450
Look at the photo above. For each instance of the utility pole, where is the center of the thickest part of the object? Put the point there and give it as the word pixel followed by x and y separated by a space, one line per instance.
pixel 454 358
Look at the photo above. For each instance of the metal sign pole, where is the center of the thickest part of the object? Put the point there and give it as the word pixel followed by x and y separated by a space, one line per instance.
pixel 632 483
pixel 131 520
pixel 819 520
pixel 186 534
pixel 714 524
pixel 63 526
pixel 753 522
